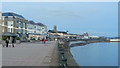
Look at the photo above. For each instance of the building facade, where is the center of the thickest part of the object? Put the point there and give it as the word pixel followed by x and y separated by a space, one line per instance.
pixel 0 26
pixel 36 31
pixel 14 24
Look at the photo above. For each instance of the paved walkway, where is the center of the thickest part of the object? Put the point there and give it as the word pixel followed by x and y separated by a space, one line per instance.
pixel 30 54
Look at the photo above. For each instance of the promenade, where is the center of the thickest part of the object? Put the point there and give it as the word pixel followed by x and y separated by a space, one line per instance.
pixel 31 54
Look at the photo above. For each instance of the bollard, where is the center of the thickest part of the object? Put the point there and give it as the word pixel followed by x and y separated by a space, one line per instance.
pixel 60 45
pixel 61 52
pixel 61 49
pixel 62 58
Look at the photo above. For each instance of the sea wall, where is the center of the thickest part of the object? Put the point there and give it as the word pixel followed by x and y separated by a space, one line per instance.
pixel 65 56
pixel 66 59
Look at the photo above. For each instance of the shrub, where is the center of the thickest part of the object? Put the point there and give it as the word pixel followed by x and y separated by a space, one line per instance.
pixel 32 39
pixel 17 38
pixel 0 38
pixel 4 38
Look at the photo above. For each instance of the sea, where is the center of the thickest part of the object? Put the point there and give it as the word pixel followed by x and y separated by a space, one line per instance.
pixel 96 54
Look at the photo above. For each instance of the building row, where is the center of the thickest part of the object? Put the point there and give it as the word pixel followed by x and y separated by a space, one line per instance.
pixel 15 25
pixel 55 34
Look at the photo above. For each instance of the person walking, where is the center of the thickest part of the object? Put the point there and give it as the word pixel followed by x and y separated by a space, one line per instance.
pixel 44 40
pixel 7 42
pixel 13 41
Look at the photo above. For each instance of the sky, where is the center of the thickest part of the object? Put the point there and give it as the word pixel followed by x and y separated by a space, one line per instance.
pixel 59 0
pixel 96 18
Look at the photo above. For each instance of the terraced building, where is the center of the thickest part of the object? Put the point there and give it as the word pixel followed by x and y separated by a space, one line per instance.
pixel 14 25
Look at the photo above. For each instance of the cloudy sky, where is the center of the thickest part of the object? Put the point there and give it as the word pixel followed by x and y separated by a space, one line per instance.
pixel 96 18
pixel 59 0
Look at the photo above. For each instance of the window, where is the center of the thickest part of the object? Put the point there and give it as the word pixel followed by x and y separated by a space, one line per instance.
pixel 2 23
pixel 8 30
pixel 11 30
pixel 10 23
pixel 3 30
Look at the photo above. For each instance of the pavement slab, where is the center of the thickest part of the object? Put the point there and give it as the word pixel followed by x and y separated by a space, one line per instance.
pixel 30 54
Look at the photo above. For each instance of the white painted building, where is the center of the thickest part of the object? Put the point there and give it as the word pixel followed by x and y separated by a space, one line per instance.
pixel 94 36
pixel 17 24
pixel 36 31
pixel 30 27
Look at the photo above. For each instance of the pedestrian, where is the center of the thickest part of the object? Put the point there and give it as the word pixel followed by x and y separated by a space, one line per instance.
pixel 7 42
pixel 13 41
pixel 44 40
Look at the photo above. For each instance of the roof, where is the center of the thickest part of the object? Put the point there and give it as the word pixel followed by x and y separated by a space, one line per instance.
pixel 11 14
pixel 40 24
pixel 57 31
pixel 32 22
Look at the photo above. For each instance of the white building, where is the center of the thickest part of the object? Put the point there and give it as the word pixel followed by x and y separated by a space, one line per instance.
pixel 95 37
pixel 36 31
pixel 17 25
pixel 30 27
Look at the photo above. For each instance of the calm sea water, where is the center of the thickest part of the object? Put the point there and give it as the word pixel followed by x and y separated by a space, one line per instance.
pixel 96 54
